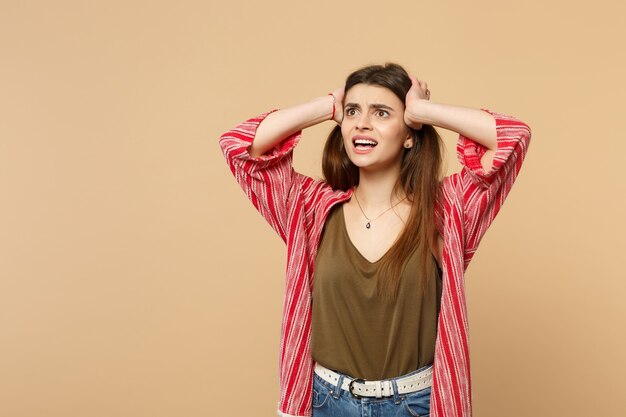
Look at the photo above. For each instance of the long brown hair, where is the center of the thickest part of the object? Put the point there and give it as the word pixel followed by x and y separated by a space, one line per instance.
pixel 419 179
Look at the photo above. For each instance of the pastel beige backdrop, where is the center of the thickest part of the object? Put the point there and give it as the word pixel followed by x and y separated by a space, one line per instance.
pixel 137 280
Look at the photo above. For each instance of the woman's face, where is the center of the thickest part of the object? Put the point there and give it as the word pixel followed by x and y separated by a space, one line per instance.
pixel 373 128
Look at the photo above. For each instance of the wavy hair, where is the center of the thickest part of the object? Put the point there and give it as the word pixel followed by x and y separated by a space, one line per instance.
pixel 419 178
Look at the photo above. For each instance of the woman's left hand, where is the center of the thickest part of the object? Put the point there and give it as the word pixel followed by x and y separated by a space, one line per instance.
pixel 414 98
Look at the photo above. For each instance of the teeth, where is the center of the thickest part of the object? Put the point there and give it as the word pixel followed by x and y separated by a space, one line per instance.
pixel 365 142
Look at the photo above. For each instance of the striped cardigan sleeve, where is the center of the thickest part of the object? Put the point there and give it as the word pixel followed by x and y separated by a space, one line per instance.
pixel 266 180
pixel 483 193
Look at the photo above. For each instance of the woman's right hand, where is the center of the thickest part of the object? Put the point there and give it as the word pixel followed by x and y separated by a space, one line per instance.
pixel 339 95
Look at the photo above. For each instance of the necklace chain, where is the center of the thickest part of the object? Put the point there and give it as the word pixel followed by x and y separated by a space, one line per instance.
pixel 369 221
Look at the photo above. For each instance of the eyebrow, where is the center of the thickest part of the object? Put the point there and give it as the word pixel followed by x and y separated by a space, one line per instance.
pixel 374 105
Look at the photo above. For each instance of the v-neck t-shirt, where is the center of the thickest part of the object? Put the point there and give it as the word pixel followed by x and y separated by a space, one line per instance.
pixel 355 331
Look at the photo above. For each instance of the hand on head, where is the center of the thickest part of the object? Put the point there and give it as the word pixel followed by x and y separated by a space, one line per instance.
pixel 417 93
pixel 339 95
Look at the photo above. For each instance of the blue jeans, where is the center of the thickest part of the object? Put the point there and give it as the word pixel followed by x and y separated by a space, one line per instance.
pixel 328 401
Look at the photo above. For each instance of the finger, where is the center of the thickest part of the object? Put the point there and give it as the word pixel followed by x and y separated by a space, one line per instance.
pixel 415 83
pixel 339 93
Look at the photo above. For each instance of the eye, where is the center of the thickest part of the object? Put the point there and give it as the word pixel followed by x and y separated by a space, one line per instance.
pixel 382 113
pixel 350 111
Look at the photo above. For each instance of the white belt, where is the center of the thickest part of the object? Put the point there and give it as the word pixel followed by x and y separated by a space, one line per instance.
pixel 378 389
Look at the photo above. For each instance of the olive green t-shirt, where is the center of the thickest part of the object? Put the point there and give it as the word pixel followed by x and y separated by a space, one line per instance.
pixel 358 333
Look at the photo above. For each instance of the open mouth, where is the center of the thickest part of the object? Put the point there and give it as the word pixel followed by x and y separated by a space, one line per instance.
pixel 364 144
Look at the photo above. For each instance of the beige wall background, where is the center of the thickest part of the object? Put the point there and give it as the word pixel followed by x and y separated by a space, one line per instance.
pixel 137 280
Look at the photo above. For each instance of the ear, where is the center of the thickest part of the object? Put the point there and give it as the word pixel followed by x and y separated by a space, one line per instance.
pixel 408 141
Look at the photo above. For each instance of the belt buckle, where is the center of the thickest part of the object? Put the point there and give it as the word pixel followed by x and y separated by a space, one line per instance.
pixel 357 380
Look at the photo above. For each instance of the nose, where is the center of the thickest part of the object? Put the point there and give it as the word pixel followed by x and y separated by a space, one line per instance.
pixel 363 123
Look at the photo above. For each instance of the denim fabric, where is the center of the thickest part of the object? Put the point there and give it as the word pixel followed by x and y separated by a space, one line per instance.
pixel 328 401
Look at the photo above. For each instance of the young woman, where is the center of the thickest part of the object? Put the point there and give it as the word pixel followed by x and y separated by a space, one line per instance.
pixel 374 318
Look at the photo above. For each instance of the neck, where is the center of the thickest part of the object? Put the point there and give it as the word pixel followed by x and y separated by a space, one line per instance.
pixel 376 189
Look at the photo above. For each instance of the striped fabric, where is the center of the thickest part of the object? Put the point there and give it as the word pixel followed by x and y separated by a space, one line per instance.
pixel 296 207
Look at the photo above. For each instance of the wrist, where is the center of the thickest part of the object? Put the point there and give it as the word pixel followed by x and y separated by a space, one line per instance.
pixel 324 106
pixel 334 99
pixel 417 112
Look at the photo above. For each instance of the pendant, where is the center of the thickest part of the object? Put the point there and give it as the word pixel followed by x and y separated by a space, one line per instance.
pixel 367 225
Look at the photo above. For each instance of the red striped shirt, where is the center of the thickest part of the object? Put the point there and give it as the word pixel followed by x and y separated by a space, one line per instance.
pixel 296 207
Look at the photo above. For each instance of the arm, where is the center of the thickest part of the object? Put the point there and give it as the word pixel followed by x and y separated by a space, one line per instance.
pixel 472 123
pixel 259 154
pixel 491 148
pixel 283 123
